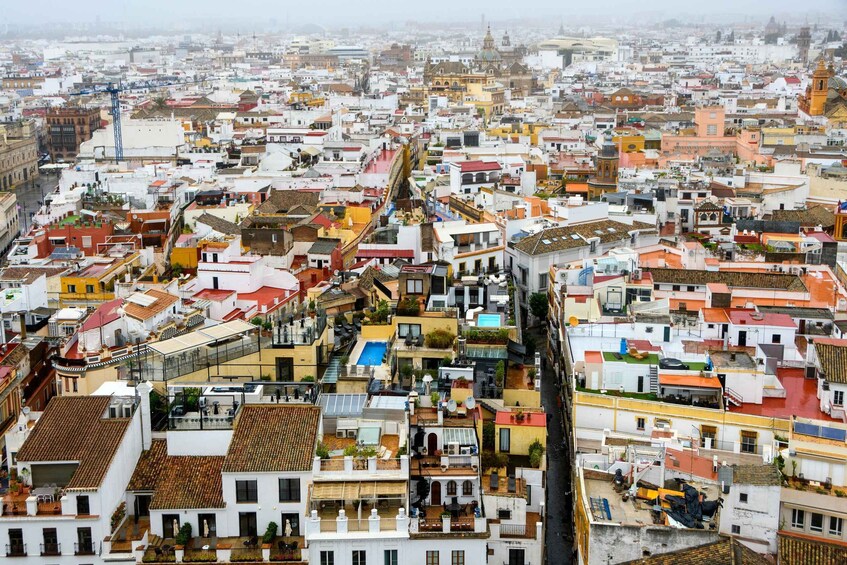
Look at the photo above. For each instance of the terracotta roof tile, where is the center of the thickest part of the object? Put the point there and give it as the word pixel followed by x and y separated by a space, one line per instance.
pixel 189 482
pixel 273 438
pixel 73 428
pixel 796 549
pixel 832 359
pixel 149 467
pixel 733 279
pixel 726 551
pixel 163 301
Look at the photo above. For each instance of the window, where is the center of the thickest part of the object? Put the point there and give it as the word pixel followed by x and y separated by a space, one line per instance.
pixel 359 557
pixel 467 488
pixel 247 524
pixel 748 441
pixel 390 557
pixel 517 557
pixel 405 330
pixel 838 397
pixel 289 490
pixel 327 558
pixel 16 542
pixel 835 526
pixel 462 267
pixel 816 524
pixel 84 542
pixel 458 557
pixel 640 423
pixel 710 432
pixel 71 288
pixel 414 286
pixel 89 289
pixel 51 542
pixel 742 497
pixel 542 281
pixel 736 529
pixel 246 491
pixel 451 488
pixel 675 287
pixel 504 440
pixel 711 129
pixel 798 518
pixel 504 514
pixel 776 338
pixel 82 506
pixel 432 557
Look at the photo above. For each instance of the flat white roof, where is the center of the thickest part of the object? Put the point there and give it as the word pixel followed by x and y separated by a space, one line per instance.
pixel 200 337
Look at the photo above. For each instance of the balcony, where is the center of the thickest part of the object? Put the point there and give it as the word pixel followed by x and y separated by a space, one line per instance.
pixel 84 548
pixel 15 550
pixel 51 549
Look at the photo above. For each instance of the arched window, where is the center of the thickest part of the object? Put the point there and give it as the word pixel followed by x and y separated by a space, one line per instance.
pixel 467 488
pixel 451 488
pixel 713 217
pixel 703 217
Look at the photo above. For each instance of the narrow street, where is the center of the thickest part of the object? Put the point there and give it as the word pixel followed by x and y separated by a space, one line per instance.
pixel 559 545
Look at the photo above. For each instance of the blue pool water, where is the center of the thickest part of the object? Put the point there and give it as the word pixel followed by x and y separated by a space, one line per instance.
pixel 373 353
pixel 488 321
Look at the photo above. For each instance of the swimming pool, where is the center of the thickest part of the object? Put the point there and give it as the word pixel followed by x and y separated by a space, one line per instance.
pixel 373 353
pixel 488 321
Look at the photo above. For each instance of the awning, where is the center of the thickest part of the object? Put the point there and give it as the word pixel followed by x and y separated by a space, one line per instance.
pixel 684 381
pixel 357 490
pixel 462 436
pixel 201 337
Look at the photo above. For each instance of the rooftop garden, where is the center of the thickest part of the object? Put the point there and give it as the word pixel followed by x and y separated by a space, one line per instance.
pixel 634 395
pixel 646 359
pixel 499 336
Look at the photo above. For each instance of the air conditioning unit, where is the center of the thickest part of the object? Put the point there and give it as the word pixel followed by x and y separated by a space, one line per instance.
pixel 340 433
pixel 352 433
pixel 453 448
pixel 465 450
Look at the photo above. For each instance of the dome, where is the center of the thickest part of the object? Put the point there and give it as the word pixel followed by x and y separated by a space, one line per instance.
pixel 837 83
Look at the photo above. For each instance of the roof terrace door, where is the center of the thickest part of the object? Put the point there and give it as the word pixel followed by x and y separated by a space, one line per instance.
pixel 435 493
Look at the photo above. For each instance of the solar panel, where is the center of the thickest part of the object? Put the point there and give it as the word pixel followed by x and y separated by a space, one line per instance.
pixel 834 433
pixel 806 429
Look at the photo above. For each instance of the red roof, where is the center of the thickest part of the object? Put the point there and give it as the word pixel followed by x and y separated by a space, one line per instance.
pixel 746 318
pixel 801 398
pixel 508 418
pixel 792 80
pixel 478 166
pixel 106 313
pixel 214 294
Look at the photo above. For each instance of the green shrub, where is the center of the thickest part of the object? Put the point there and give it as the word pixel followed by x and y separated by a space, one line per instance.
pixel 535 458
pixel 257 321
pixel 439 339
pixel 270 533
pixel 184 534
pixel 488 433
pixel 307 379
pixel 492 460
pixel 202 556
pixel 322 450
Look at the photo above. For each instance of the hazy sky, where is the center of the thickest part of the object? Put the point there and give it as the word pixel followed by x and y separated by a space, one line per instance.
pixel 359 12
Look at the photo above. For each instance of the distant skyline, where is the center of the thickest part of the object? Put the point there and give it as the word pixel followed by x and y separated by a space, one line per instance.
pixel 337 13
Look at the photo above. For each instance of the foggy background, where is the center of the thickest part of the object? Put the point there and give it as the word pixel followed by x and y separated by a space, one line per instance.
pixel 283 14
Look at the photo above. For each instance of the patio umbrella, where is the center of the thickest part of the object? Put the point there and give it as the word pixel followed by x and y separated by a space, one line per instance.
pixel 205 528
pixel 288 529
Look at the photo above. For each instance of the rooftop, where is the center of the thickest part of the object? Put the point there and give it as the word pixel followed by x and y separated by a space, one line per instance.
pixel 273 438
pixel 73 428
pixel 801 399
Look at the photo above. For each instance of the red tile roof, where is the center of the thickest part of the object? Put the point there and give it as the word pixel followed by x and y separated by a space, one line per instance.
pixel 105 314
pixel 509 418
pixel 479 166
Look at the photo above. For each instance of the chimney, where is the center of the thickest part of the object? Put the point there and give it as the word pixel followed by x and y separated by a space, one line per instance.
pixel 22 320
pixel 143 389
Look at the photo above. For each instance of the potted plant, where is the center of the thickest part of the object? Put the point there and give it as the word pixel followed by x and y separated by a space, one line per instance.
pixel 312 308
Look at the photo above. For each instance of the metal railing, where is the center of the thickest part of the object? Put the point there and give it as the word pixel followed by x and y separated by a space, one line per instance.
pixel 51 548
pixel 15 550
pixel 84 548
pixel 512 530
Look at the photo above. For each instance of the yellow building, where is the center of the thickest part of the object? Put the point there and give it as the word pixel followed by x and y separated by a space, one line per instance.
pixel 94 282
pixel 488 98
pixel 628 141
pixel 515 431
pixel 778 136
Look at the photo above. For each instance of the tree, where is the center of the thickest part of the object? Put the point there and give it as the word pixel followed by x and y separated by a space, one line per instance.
pixel 539 305
pixel 488 431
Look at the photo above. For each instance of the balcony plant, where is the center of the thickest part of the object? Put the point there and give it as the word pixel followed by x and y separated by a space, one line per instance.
pixel 270 532
pixel 184 534
pixel 408 306
pixel 439 339
pixel 322 450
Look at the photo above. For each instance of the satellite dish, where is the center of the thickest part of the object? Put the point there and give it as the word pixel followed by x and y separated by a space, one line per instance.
pixel 451 405
pixel 573 321
pixel 470 403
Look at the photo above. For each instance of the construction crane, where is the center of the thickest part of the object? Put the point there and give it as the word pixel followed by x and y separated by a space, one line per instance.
pixel 114 91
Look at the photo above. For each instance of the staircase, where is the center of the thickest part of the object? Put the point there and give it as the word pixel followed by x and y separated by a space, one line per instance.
pixel 332 371
pixel 654 379
pixel 732 397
